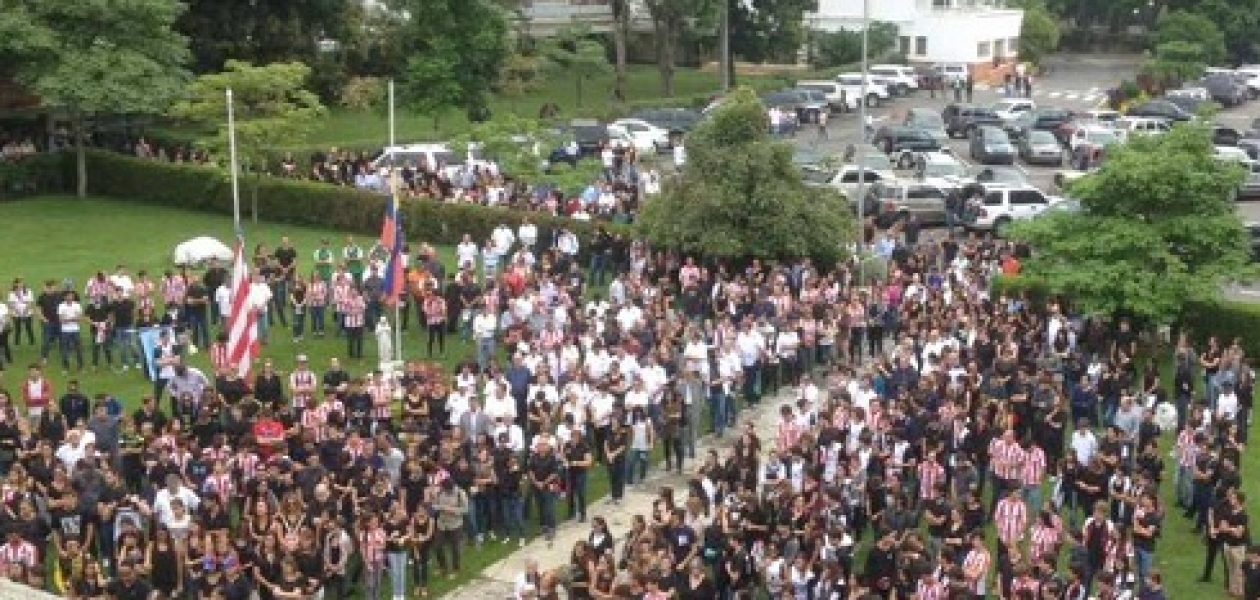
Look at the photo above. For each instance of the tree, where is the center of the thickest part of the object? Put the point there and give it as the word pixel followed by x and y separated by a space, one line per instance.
pixel 271 104
pixel 1192 28
pixel 572 52
pixel 769 30
pixel 620 31
pixel 740 196
pixel 518 145
pixel 844 47
pixel 457 50
pixel 93 59
pixel 1039 34
pixel 1158 230
pixel 1176 62
pixel 670 18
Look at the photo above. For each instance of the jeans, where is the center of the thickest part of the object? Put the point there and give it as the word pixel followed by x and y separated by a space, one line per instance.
pixel 372 581
pixel 639 459
pixel 577 494
pixel 264 326
pixel 511 516
pixel 128 351
pixel 69 341
pixel 717 412
pixel 49 331
pixel 279 299
pixel 752 383
pixel 317 320
pixel 198 328
pixel 99 347
pixel 1185 486
pixel 23 323
pixel 397 572
pixel 485 352
pixel 373 312
pixel 354 342
pixel 597 268
pixel 546 502
pixel 478 519
pixel 691 429
pixel 1144 559
pixel 616 477
pixel 437 333
pixel 448 541
pixel 299 324
pixel 673 451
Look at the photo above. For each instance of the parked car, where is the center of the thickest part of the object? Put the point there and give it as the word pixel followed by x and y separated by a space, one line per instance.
pixel 845 177
pixel 901 143
pixel 1225 89
pixel 675 120
pixel 1251 146
pixel 1040 147
pixel 962 119
pixel 1093 136
pixel 991 145
pixel 837 97
pixel 815 102
pixel 1253 231
pixel 1225 136
pixel 1130 126
pixel 1041 119
pixel 852 84
pixel 929 121
pixel 789 102
pixel 1002 205
pixel 940 169
pixel 896 200
pixel 433 156
pixel 903 77
pixel 989 175
pixel 641 135
pixel 951 72
pixel 1163 109
pixel 1010 109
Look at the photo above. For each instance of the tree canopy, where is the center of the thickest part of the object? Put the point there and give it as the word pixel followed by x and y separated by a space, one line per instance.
pixel 98 57
pixel 1039 34
pixel 1158 230
pixel 740 195
pixel 456 49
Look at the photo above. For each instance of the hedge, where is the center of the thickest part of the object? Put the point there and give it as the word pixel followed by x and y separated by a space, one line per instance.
pixel 1224 319
pixel 302 202
pixel 32 176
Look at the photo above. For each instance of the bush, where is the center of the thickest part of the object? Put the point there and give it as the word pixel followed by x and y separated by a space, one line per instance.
pixel 33 175
pixel 304 203
pixel 364 93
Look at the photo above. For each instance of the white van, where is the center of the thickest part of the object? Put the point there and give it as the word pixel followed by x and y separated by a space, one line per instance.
pixel 837 96
pixel 902 76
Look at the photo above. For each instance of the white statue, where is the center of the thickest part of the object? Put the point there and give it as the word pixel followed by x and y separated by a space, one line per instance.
pixel 384 342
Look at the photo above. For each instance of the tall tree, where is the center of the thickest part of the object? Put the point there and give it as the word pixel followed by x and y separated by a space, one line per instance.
pixel 573 52
pixel 96 58
pixel 457 50
pixel 670 20
pixel 769 30
pixel 272 105
pixel 740 195
pixel 1038 35
pixel 1158 230
pixel 620 31
pixel 1192 28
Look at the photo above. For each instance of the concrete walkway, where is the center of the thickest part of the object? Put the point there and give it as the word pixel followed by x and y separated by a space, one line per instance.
pixel 496 582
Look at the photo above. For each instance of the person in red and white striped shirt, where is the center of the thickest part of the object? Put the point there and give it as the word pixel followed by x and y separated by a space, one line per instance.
pixel 353 319
pixel 302 383
pixel 1047 536
pixel 220 483
pixel 18 551
pixel 930 588
pixel 1187 453
pixel 1011 518
pixel 931 474
pixel 1004 457
pixel 976 566
pixel 372 538
pixel 789 430
pixel 1032 475
pixel 317 300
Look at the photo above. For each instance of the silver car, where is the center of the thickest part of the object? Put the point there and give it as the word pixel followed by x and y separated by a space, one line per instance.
pixel 1041 148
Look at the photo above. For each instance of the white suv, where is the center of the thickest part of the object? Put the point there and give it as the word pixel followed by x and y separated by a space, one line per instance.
pixel 1003 205
pixel 902 76
pixel 852 84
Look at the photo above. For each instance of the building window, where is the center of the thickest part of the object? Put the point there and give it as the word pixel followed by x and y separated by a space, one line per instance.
pixel 999 48
pixel 983 49
pixel 1012 46
pixel 920 46
pixel 903 44
pixel 942 3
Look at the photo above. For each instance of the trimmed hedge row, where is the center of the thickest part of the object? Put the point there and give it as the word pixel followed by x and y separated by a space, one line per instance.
pixel 302 202
pixel 1224 319
pixel 33 175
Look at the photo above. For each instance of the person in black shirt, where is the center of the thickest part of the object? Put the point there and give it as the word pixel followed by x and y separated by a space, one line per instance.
pixel 544 479
pixel 577 461
pixel 214 277
pixel 50 323
pixel 1251 574
pixel 197 301
pixel 129 585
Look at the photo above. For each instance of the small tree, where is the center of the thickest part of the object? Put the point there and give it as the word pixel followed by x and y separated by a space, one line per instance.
pixel 740 195
pixel 572 52
pixel 92 59
pixel 272 106
pixel 1158 230
pixel 1192 28
pixel 1039 34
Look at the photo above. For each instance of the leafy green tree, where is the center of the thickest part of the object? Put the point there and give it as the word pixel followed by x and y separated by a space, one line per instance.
pixel 1192 28
pixel 517 144
pixel 1176 62
pixel 1039 34
pixel 572 52
pixel 844 47
pixel 740 195
pixel 457 50
pixel 670 21
pixel 768 30
pixel 95 59
pixel 272 107
pixel 1158 230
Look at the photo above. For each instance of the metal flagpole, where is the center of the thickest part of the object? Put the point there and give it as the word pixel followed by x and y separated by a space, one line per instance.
pixel 861 153
pixel 398 346
pixel 236 187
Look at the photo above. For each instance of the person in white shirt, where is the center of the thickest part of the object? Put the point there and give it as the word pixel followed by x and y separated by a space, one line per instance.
pixel 466 253
pixel 1084 444
pixel 1227 404
pixel 22 307
pixel 174 489
pixel 527 233
pixel 70 318
pixel 503 239
pixel 223 299
pixel 567 244
pixel 485 326
pixel 259 299
pixel 122 280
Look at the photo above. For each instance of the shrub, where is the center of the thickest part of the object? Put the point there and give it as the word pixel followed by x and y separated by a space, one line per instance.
pixel 363 93
pixel 33 175
pixel 305 203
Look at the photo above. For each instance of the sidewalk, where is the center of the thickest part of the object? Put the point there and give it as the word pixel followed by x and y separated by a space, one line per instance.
pixel 496 582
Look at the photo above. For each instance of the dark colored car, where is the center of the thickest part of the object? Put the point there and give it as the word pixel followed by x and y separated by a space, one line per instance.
pixel 1225 136
pixel 1253 232
pixel 990 145
pixel 1162 109
pixel 1042 119
pixel 963 119
pixel 792 102
pixel 1251 146
pixel 901 142
pixel 590 136
pixel 676 120
pixel 1225 89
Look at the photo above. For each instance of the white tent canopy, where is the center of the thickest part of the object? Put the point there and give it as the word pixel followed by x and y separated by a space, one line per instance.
pixel 199 250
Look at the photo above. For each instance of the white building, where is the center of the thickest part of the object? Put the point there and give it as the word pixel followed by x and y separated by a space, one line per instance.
pixel 951 31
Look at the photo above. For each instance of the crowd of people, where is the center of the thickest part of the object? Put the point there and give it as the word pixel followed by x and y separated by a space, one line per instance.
pixel 915 410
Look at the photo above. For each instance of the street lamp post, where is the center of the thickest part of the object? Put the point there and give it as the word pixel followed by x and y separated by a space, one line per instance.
pixel 861 186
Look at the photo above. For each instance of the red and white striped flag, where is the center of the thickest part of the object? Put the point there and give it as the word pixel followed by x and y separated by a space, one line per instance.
pixel 242 345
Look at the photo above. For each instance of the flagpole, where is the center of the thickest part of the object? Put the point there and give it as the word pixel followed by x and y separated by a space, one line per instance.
pixel 236 188
pixel 398 346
